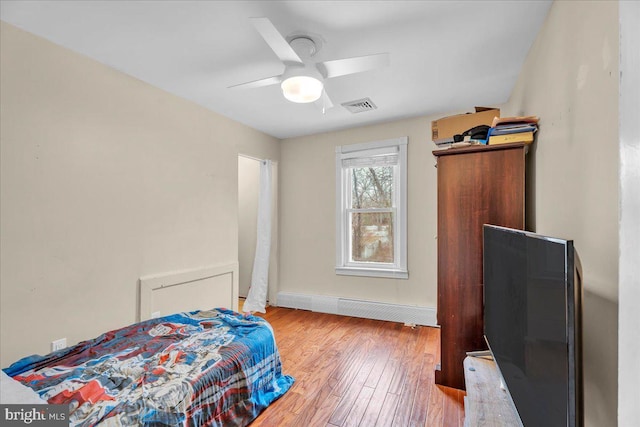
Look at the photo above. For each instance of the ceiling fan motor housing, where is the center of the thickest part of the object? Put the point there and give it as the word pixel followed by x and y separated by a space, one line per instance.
pixel 304 46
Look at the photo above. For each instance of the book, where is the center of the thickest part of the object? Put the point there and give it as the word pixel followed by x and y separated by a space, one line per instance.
pixel 511 137
pixel 513 120
pixel 501 130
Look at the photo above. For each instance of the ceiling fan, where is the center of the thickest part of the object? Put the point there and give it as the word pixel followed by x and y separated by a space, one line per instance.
pixel 303 80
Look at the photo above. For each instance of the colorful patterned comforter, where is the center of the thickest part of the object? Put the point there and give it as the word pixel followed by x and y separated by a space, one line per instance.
pixel 203 368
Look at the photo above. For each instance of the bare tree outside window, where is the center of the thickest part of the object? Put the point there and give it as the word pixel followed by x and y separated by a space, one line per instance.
pixel 372 214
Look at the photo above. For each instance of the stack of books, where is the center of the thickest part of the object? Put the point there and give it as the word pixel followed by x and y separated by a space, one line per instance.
pixel 507 130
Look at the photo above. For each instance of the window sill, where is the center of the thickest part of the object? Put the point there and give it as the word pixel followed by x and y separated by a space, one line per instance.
pixel 372 272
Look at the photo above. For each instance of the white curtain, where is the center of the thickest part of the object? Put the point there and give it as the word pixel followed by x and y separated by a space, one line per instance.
pixel 257 297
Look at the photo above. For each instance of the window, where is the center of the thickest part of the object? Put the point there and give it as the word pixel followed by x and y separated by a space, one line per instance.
pixel 371 221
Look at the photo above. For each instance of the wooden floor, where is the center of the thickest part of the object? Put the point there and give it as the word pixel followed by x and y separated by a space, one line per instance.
pixel 358 372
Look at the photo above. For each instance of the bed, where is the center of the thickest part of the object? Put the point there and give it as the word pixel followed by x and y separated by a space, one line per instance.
pixel 198 368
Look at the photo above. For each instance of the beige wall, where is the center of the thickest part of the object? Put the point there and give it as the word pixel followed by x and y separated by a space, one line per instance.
pixel 104 179
pixel 570 80
pixel 307 217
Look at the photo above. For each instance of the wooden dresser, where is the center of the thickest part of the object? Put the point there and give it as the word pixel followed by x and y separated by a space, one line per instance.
pixel 476 185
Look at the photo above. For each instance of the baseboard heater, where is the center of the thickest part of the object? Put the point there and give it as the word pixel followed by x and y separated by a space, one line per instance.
pixel 408 314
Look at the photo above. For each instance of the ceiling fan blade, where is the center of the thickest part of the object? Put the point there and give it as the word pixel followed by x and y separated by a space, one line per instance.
pixel 275 41
pixel 258 83
pixel 342 67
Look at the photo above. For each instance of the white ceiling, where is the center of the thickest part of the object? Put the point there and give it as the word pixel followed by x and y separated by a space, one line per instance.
pixel 445 55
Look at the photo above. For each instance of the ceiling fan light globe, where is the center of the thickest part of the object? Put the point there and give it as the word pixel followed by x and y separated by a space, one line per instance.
pixel 302 89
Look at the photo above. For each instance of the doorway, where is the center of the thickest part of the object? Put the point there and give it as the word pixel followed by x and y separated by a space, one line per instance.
pixel 248 191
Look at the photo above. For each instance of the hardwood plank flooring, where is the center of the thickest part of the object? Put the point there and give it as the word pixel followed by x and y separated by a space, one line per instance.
pixel 358 372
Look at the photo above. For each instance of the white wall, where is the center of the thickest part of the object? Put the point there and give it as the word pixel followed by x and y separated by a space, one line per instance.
pixel 629 315
pixel 104 179
pixel 570 80
pixel 307 219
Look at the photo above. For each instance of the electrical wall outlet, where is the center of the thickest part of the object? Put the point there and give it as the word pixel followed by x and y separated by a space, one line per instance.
pixel 155 314
pixel 58 344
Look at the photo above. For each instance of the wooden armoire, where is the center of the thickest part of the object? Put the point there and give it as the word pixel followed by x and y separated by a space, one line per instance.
pixel 476 185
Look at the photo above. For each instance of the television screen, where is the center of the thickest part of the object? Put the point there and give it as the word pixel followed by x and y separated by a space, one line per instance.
pixel 532 323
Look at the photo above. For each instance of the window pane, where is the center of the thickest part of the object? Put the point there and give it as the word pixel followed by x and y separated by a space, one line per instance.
pixel 371 187
pixel 372 237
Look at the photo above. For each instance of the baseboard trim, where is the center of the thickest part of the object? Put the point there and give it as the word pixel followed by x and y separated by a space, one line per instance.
pixel 359 308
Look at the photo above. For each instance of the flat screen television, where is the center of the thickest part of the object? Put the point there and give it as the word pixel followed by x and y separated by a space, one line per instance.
pixel 533 323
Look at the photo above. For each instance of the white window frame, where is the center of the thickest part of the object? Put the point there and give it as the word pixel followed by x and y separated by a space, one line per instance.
pixel 344 266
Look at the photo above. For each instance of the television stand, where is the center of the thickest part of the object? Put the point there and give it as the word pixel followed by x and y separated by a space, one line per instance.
pixel 486 402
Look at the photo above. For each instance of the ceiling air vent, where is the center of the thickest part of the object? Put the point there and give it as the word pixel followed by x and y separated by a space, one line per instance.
pixel 360 105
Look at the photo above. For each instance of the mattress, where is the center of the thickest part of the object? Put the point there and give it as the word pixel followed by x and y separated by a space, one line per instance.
pixel 213 368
